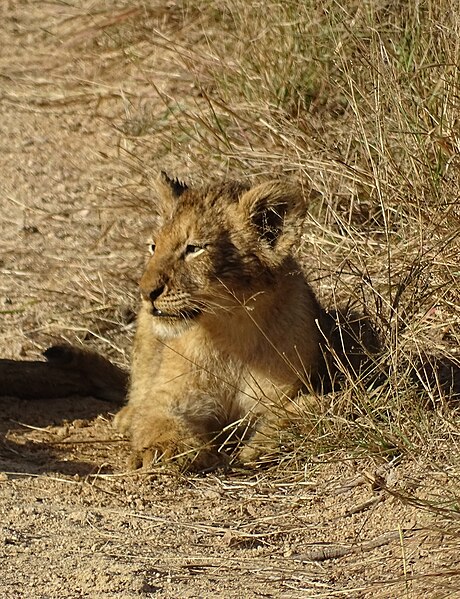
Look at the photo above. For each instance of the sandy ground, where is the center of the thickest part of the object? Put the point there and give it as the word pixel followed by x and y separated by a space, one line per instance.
pixel 74 523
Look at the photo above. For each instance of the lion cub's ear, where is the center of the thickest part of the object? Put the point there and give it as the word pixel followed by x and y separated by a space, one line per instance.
pixel 168 190
pixel 167 186
pixel 276 209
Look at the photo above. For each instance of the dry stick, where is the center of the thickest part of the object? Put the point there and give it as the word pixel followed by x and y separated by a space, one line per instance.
pixel 364 505
pixel 326 552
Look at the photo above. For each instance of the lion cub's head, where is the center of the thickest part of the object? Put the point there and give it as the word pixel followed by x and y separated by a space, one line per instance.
pixel 216 249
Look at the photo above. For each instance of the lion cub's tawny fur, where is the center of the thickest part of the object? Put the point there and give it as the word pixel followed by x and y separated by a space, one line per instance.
pixel 227 332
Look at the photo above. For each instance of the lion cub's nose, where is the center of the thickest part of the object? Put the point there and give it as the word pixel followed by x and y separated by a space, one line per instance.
pixel 153 294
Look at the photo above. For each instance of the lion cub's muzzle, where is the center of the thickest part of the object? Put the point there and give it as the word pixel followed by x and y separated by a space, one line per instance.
pixel 169 306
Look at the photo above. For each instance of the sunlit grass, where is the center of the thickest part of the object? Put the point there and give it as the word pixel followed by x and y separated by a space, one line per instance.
pixel 359 102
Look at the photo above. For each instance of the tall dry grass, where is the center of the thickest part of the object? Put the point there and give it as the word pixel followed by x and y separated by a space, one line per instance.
pixel 359 101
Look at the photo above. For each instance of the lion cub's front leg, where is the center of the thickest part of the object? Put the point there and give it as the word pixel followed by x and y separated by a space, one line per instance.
pixel 157 433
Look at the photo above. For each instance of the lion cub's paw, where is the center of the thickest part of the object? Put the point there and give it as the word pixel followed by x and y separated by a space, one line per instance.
pixel 165 439
pixel 262 447
pixel 123 419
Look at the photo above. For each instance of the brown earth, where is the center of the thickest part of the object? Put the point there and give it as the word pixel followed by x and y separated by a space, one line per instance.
pixel 74 523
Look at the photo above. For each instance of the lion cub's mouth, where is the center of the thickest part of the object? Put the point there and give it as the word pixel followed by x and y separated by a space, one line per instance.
pixel 181 315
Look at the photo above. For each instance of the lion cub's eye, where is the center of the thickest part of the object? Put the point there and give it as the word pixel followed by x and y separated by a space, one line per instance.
pixel 151 247
pixel 194 250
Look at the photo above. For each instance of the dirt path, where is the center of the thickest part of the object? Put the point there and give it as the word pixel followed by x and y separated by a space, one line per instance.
pixel 73 522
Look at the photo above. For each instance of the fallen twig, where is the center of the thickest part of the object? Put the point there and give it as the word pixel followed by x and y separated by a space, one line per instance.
pixel 325 552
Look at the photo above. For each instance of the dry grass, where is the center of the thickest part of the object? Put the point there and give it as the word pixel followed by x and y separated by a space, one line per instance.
pixel 359 101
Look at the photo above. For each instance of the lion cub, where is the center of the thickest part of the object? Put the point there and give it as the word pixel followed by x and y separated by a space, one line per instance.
pixel 227 331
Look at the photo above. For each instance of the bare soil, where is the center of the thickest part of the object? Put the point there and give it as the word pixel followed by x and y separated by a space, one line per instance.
pixel 74 522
